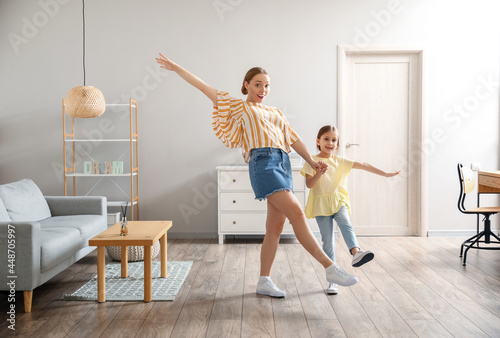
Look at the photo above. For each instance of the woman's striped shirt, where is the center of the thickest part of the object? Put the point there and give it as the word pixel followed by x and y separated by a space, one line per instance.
pixel 249 125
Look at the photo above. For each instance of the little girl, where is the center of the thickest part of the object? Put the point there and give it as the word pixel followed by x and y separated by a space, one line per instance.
pixel 328 198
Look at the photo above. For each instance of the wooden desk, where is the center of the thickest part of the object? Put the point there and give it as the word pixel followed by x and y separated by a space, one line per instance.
pixel 140 233
pixel 488 182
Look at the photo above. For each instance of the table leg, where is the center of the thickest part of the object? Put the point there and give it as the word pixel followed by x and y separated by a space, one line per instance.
pixel 124 258
pixel 147 273
pixel 101 274
pixel 163 255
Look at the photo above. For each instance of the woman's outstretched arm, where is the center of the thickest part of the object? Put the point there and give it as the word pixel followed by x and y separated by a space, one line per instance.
pixel 192 79
pixel 301 149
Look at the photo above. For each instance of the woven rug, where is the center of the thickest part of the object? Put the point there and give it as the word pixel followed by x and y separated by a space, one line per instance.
pixel 132 287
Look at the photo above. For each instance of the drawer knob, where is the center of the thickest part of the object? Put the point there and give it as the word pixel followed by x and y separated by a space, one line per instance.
pixel 234 222
pixel 234 180
pixel 234 201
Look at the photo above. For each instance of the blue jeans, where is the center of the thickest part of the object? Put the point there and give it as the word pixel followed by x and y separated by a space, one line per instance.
pixel 325 224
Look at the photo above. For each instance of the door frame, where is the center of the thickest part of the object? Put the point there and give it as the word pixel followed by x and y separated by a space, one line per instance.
pixel 343 51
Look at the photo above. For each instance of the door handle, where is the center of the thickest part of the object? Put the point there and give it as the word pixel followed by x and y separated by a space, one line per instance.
pixel 349 145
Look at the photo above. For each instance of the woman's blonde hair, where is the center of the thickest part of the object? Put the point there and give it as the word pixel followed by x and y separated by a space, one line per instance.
pixel 249 76
pixel 326 129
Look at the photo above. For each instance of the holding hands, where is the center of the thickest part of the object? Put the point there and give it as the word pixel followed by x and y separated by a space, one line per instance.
pixel 320 167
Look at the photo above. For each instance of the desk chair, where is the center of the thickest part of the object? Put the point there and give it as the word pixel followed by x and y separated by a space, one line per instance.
pixel 467 182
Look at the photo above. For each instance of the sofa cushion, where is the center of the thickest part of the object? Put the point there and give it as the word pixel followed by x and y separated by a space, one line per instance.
pixel 4 216
pixel 24 201
pixel 58 244
pixel 88 226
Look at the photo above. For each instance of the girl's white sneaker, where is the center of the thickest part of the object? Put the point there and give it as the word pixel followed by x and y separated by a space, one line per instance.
pixel 362 257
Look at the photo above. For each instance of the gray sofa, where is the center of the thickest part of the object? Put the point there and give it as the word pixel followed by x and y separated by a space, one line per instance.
pixel 47 235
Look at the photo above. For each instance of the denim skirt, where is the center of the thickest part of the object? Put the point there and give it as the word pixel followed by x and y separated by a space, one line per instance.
pixel 270 171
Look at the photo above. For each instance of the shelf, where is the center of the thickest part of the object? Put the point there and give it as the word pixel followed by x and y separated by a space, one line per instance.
pixel 119 105
pixel 100 175
pixel 101 140
pixel 128 137
pixel 119 203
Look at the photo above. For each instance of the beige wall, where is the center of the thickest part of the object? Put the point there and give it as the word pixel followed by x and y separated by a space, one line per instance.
pixel 296 41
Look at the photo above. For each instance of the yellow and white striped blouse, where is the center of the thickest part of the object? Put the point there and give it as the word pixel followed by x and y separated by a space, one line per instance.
pixel 249 125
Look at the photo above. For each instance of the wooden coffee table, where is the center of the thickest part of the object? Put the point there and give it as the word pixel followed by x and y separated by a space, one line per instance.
pixel 140 233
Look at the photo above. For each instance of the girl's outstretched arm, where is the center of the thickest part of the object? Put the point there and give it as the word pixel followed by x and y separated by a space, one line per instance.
pixel 192 79
pixel 368 167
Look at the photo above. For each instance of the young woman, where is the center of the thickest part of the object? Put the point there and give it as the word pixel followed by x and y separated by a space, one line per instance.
pixel 328 199
pixel 266 137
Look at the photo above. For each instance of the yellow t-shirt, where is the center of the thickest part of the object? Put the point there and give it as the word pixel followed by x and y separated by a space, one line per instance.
pixel 329 193
pixel 249 125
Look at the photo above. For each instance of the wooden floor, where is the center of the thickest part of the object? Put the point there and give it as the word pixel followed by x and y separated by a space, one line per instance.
pixel 414 287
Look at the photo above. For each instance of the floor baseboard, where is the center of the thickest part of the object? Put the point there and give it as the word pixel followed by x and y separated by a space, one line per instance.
pixel 454 233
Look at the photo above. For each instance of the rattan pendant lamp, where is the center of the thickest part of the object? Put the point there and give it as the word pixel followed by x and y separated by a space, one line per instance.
pixel 84 101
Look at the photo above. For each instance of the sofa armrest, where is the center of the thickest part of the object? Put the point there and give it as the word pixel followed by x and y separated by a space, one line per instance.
pixel 26 263
pixel 77 205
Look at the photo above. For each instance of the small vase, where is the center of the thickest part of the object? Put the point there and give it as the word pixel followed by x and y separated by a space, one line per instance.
pixel 124 229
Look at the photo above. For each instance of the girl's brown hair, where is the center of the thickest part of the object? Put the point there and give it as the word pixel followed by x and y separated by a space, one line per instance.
pixel 326 129
pixel 249 76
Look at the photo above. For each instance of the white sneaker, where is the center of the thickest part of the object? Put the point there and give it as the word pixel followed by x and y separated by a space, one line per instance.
pixel 268 288
pixel 362 257
pixel 333 289
pixel 335 274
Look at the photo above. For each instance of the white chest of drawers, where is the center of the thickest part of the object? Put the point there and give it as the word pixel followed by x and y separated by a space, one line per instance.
pixel 239 213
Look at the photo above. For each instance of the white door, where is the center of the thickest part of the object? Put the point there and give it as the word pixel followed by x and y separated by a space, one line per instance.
pixel 380 115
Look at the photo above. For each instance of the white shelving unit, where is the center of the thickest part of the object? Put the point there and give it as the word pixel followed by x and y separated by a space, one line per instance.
pixel 239 213
pixel 100 175
pixel 69 139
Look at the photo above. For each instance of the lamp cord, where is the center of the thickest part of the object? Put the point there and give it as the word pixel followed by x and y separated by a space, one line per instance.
pixel 83 5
